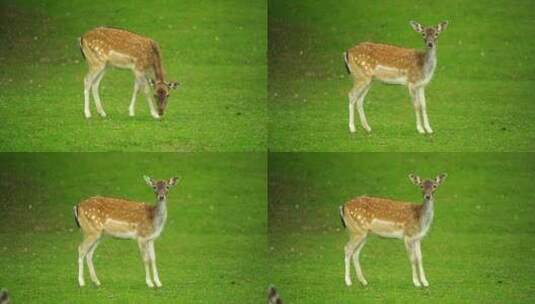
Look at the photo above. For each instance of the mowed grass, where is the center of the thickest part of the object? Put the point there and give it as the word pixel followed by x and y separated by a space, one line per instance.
pixel 479 250
pixel 212 250
pixel 215 49
pixel 480 98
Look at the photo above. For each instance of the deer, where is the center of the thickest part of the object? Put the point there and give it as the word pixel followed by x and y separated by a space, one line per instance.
pixel 390 219
pixel 394 65
pixel 273 296
pixel 4 297
pixel 99 216
pixel 103 47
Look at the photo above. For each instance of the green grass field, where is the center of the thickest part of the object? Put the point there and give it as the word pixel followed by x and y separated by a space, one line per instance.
pixel 212 250
pixel 479 100
pixel 479 249
pixel 216 49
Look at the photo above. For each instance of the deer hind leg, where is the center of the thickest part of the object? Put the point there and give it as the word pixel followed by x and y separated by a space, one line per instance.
pixel 423 108
pixel 83 249
pixel 418 249
pixel 356 262
pixel 152 255
pixel 96 96
pixel 356 95
pixel 349 250
pixel 89 260
pixel 143 248
pixel 417 108
pixel 410 245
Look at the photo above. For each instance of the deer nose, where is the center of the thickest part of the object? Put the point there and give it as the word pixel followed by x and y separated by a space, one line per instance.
pixel 427 196
pixel 161 197
pixel 430 44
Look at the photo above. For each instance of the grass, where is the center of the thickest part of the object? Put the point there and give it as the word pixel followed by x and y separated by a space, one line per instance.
pixel 212 250
pixel 217 50
pixel 479 99
pixel 479 249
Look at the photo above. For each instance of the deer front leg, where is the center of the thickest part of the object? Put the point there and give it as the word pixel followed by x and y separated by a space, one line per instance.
pixel 423 108
pixel 152 254
pixel 143 248
pixel 409 244
pixel 418 249
pixel 131 108
pixel 416 104
pixel 153 111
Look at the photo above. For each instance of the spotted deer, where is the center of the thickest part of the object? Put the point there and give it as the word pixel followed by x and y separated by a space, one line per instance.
pixel 394 65
pixel 98 216
pixel 103 47
pixel 273 296
pixel 4 297
pixel 390 219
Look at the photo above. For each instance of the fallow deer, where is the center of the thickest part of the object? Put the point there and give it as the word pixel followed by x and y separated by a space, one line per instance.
pixel 390 219
pixel 103 47
pixel 4 297
pixel 99 216
pixel 394 65
pixel 273 296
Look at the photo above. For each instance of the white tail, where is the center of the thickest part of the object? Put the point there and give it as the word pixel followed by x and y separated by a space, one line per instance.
pixel 394 65
pixel 103 47
pixel 98 216
pixel 391 219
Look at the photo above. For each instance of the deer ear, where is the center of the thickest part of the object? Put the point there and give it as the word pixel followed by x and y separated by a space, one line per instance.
pixel 3 296
pixel 173 181
pixel 442 26
pixel 416 26
pixel 148 180
pixel 173 85
pixel 151 82
pixel 441 178
pixel 415 179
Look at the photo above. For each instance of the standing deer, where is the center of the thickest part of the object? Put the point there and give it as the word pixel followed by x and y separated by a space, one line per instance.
pixel 103 47
pixel 98 216
pixel 394 65
pixel 390 219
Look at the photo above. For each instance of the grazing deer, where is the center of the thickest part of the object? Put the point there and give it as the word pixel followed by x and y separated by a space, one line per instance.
pixel 394 65
pixel 98 216
pixel 391 219
pixel 273 296
pixel 103 47
pixel 4 297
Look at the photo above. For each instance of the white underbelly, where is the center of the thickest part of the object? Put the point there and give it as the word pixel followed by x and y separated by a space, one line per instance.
pixel 390 75
pixel 120 229
pixel 386 229
pixel 120 60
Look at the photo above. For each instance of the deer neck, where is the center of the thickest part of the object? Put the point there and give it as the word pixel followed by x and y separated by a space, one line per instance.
pixel 160 216
pixel 426 216
pixel 430 63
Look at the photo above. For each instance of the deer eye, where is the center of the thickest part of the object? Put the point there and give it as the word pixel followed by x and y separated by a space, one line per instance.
pixel 154 187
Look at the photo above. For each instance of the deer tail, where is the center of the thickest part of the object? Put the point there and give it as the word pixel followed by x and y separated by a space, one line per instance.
pixel 75 211
pixel 346 59
pixel 80 42
pixel 342 216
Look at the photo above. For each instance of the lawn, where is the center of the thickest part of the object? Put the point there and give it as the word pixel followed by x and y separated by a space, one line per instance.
pixel 480 247
pixel 216 49
pixel 212 250
pixel 479 99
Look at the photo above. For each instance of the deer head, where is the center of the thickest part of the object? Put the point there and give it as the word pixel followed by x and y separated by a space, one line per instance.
pixel 4 297
pixel 428 186
pixel 429 34
pixel 162 91
pixel 161 187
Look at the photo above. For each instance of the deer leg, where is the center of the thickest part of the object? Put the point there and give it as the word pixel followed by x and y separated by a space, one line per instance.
pixel 416 104
pixel 89 260
pixel 423 108
pixel 137 84
pixel 356 262
pixel 88 83
pixel 409 244
pixel 149 100
pixel 418 249
pixel 360 108
pixel 354 96
pixel 152 254
pixel 96 95
pixel 349 251
pixel 84 247
pixel 143 248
